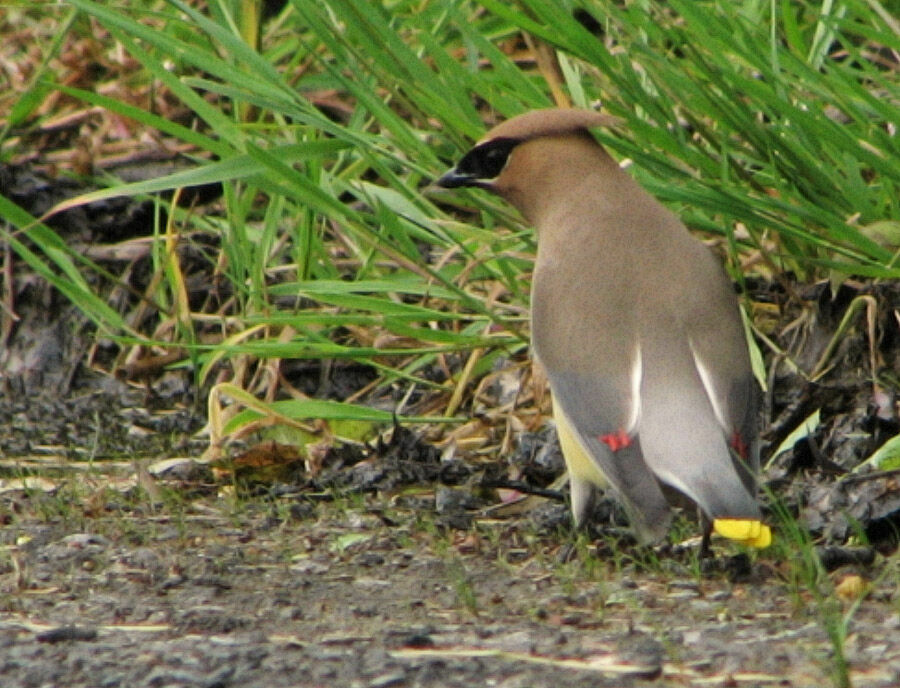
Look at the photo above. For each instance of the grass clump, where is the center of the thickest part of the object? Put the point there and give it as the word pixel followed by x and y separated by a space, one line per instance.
pixel 768 124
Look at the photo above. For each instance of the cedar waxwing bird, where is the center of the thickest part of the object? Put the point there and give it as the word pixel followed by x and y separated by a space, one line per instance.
pixel 636 325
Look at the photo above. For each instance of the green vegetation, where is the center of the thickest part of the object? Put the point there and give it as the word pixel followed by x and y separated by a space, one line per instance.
pixel 811 589
pixel 768 123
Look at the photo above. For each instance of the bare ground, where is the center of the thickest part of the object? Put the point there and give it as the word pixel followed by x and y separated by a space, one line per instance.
pixel 104 586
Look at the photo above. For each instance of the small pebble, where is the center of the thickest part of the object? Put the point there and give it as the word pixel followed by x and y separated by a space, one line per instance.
pixel 63 633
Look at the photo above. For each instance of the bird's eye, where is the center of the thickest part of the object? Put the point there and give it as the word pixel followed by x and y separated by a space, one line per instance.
pixel 489 159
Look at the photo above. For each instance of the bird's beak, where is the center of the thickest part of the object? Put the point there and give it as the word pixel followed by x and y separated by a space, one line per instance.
pixel 454 179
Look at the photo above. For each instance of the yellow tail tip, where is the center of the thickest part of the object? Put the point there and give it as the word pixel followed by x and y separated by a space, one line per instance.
pixel 746 531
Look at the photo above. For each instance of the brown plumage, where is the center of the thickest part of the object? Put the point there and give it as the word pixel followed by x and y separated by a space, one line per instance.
pixel 636 325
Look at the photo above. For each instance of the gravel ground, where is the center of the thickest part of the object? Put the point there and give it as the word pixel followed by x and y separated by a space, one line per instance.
pixel 215 591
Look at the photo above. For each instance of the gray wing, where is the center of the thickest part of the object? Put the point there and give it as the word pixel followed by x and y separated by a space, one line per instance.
pixel 593 409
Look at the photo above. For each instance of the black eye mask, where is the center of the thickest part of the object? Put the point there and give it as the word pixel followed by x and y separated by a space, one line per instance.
pixel 481 164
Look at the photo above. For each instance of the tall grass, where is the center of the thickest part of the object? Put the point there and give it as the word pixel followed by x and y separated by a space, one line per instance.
pixel 770 124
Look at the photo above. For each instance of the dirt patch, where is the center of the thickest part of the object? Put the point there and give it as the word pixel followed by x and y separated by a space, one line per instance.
pixel 281 592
